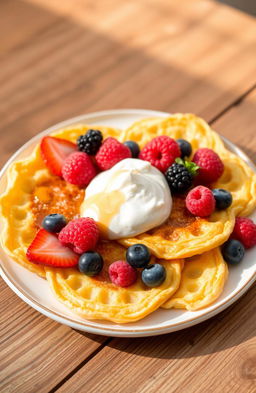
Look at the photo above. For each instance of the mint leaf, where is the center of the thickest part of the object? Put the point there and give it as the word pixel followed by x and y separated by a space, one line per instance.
pixel 180 161
pixel 189 165
pixel 192 167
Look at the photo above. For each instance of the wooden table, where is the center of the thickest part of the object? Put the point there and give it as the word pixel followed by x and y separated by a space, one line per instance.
pixel 63 58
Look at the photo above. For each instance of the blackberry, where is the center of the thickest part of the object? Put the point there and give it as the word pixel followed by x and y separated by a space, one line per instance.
pixel 178 178
pixel 90 142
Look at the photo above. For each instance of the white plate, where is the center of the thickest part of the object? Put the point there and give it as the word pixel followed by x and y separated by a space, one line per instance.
pixel 36 292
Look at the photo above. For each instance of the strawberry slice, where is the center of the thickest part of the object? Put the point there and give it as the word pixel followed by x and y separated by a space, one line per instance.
pixel 54 152
pixel 47 250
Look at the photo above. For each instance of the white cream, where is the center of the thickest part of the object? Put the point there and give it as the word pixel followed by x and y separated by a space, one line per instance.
pixel 128 199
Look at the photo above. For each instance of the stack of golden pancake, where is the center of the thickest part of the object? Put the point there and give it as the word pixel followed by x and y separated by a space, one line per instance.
pixel 188 246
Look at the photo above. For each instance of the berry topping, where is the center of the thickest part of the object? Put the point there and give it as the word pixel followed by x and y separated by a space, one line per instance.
pixel 78 169
pixel 138 255
pixel 185 147
pixel 81 234
pixel 47 250
pixel 54 152
pixel 122 274
pixel 223 198
pixel 110 153
pixel 245 231
pixel 160 152
pixel 211 166
pixel 233 251
pixel 200 201
pixel 153 275
pixel 90 142
pixel 134 148
pixel 90 263
pixel 178 178
pixel 54 223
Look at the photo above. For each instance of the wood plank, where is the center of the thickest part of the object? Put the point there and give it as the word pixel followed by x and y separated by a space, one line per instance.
pixel 20 23
pixel 35 352
pixel 216 356
pixel 187 62
pixel 241 129
pixel 60 59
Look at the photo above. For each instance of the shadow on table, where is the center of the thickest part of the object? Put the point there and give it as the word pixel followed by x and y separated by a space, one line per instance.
pixel 63 68
pixel 214 335
pixel 243 5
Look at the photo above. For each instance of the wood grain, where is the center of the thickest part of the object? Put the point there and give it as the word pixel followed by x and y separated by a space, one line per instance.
pixel 216 356
pixel 61 59
pixel 35 352
pixel 91 56
pixel 240 129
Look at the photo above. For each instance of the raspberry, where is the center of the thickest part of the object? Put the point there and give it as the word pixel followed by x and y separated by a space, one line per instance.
pixel 90 142
pixel 245 231
pixel 200 201
pixel 78 169
pixel 211 166
pixel 161 152
pixel 110 153
pixel 81 234
pixel 122 274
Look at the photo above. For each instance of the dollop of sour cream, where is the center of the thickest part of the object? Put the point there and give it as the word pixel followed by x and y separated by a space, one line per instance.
pixel 128 199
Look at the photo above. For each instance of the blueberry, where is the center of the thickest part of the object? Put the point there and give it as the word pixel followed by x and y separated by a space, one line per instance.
pixel 134 148
pixel 233 251
pixel 185 147
pixel 153 275
pixel 90 263
pixel 54 223
pixel 138 255
pixel 222 197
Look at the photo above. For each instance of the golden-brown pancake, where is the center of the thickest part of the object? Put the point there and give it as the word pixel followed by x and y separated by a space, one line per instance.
pixel 98 298
pixel 202 281
pixel 32 192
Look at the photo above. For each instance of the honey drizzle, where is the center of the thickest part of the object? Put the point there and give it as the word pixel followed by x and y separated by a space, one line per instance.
pixel 106 205
pixel 180 220
pixel 56 196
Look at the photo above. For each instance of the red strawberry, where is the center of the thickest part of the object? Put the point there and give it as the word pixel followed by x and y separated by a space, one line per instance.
pixel 46 249
pixel 54 152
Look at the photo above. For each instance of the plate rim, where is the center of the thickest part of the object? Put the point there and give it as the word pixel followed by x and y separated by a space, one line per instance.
pixel 115 331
